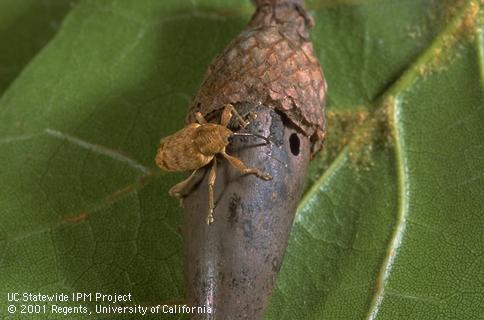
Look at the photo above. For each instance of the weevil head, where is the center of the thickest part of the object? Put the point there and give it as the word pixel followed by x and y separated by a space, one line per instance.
pixel 212 138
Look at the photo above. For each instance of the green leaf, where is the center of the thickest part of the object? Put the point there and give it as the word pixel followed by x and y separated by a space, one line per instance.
pixel 25 27
pixel 390 226
pixel 393 229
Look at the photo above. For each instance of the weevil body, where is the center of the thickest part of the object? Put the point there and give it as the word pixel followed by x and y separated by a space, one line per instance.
pixel 195 146
pixel 192 147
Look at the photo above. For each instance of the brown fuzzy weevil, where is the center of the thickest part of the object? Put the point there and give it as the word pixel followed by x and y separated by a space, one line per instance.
pixel 196 145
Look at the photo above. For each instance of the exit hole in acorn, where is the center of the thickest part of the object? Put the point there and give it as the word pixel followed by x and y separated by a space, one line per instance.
pixel 294 144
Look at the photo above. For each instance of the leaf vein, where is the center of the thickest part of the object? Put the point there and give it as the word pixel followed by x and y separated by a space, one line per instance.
pixel 98 149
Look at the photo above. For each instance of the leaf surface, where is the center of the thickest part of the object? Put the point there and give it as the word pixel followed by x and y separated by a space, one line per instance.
pixel 25 27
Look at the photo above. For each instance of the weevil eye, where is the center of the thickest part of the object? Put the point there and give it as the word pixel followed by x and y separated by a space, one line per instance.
pixel 228 139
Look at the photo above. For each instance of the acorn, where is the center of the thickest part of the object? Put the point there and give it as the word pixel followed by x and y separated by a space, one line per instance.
pixel 269 71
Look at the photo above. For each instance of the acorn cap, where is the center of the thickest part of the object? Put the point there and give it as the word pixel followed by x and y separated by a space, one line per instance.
pixel 271 63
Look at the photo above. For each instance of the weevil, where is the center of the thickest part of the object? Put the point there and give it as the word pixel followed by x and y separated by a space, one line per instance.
pixel 196 146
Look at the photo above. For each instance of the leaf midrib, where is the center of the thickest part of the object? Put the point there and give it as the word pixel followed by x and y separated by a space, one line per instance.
pixel 390 101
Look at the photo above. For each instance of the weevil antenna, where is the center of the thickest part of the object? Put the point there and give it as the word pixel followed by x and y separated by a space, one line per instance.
pixel 247 134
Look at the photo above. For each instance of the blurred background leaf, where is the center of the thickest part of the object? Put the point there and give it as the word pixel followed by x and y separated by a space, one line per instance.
pixel 390 227
pixel 25 27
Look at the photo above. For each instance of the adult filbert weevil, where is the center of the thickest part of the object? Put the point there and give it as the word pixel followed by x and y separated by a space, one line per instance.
pixel 196 145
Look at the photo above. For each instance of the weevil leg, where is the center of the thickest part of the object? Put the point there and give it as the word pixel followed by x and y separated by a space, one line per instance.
pixel 239 165
pixel 200 118
pixel 211 182
pixel 227 114
pixel 251 116
pixel 176 190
